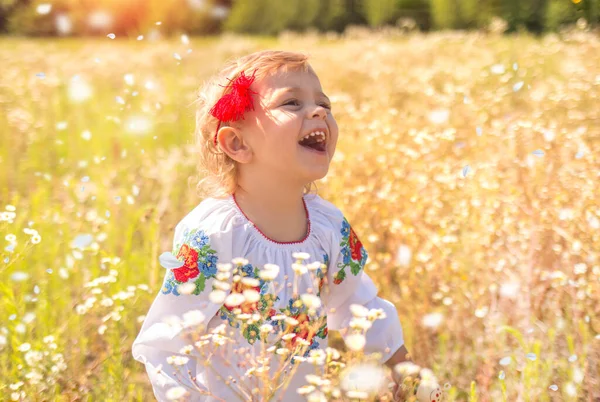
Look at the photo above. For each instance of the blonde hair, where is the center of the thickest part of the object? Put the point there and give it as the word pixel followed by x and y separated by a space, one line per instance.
pixel 219 173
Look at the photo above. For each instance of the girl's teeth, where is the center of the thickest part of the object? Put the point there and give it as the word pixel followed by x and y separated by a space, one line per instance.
pixel 319 133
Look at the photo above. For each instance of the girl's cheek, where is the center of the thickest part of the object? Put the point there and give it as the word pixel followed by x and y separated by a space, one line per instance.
pixel 333 125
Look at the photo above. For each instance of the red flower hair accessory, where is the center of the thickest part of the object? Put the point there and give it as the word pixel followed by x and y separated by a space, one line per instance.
pixel 233 105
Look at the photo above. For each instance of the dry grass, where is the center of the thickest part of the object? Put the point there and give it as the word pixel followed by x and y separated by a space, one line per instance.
pixel 467 164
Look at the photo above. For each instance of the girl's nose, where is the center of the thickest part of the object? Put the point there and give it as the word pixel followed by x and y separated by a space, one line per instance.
pixel 319 112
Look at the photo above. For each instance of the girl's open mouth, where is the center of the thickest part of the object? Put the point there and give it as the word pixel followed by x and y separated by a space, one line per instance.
pixel 314 142
pixel 316 147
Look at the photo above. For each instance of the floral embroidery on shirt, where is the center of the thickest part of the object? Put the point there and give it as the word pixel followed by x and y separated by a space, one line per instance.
pixel 305 329
pixel 353 253
pixel 262 306
pixel 308 328
pixel 199 263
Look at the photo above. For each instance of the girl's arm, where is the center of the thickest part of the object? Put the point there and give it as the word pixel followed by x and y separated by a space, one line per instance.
pixel 400 356
pixel 348 284
pixel 178 309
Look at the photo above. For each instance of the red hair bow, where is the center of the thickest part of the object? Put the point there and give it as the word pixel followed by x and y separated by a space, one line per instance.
pixel 233 105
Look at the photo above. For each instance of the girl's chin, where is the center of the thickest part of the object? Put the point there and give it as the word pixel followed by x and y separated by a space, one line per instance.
pixel 315 172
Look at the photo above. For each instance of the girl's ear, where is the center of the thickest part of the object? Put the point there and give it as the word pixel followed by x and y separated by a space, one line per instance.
pixel 231 142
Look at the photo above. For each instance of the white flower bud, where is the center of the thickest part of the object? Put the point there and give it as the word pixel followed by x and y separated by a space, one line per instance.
pixel 193 318
pixel 306 389
pixel 299 269
pixel 311 301
pixel 301 256
pixel 176 393
pixel 313 266
pixel 223 276
pixel 221 285
pixel 355 342
pixel 358 310
pixel 269 272
pixel 252 282
pixel 234 299
pixel 240 261
pixel 217 296
pixel 186 288
pixel 251 295
pixel 224 267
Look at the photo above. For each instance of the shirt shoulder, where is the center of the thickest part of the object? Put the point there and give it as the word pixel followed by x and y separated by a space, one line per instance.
pixel 212 216
pixel 328 217
pixel 323 211
pixel 203 238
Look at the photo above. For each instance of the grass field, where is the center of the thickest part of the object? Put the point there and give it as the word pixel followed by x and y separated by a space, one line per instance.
pixel 467 164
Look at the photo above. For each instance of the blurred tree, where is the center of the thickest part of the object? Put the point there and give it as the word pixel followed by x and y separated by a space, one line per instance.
pixel 341 13
pixel 25 19
pixel 487 10
pixel 246 16
pixel 281 15
pixel 304 14
pixel 178 16
pixel 331 15
pixel 135 17
pixel 418 10
pixel 467 14
pixel 443 14
pixel 268 17
pixel 559 12
pixel 536 11
pixel 123 18
pixel 6 8
pixel 591 11
pixel 380 12
pixel 525 14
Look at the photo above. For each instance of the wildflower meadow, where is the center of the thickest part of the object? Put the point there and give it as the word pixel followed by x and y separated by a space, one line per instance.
pixel 467 163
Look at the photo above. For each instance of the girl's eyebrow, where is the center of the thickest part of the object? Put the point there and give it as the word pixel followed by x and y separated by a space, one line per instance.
pixel 298 89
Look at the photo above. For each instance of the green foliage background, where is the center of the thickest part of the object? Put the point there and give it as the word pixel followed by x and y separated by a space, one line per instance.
pixel 268 17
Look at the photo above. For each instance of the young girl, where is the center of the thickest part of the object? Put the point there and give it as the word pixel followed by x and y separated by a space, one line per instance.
pixel 266 132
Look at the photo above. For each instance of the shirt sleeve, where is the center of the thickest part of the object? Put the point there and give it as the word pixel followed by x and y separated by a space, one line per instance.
pixel 163 333
pixel 349 284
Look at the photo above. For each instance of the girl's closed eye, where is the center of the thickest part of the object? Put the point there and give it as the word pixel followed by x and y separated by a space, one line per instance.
pixel 297 102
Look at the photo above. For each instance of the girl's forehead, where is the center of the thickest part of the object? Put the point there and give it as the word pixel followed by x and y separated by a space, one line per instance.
pixel 288 79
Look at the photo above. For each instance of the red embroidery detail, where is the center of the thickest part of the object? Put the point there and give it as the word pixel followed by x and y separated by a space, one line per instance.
pixel 337 281
pixel 321 283
pixel 302 330
pixel 233 105
pixel 189 269
pixel 355 245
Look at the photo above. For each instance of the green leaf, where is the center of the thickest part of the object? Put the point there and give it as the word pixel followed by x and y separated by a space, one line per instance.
pixel 200 283
pixel 321 332
pixel 355 267
pixel 252 337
